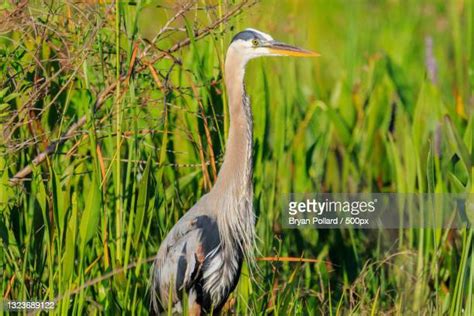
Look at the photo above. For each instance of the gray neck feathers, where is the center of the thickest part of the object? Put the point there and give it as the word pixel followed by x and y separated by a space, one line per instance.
pixel 233 189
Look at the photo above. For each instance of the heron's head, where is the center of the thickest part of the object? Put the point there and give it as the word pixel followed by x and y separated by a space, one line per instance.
pixel 251 43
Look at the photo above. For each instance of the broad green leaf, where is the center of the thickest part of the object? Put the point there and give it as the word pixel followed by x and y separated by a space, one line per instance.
pixel 70 245
pixel 142 202
pixel 91 214
pixel 457 144
pixel 59 202
pixel 341 128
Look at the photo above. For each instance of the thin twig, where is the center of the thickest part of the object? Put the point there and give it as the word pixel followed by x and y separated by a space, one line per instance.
pixel 20 175
pixel 292 259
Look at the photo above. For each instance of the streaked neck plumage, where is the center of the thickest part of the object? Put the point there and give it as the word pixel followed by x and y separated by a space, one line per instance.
pixel 235 175
pixel 233 190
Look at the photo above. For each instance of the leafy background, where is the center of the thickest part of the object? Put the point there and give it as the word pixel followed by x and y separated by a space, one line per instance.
pixel 386 108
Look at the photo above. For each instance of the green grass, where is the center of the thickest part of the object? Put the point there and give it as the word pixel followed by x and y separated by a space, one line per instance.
pixel 364 117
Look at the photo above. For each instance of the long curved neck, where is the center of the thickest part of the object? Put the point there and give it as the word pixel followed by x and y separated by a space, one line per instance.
pixel 233 190
pixel 235 175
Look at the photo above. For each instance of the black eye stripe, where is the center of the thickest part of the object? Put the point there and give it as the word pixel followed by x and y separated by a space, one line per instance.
pixel 247 35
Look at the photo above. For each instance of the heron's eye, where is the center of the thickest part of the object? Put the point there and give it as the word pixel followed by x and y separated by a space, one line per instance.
pixel 255 42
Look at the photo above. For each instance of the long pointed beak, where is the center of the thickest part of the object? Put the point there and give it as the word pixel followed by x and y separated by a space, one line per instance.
pixel 279 48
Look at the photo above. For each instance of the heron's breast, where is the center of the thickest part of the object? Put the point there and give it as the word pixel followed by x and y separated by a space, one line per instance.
pixel 221 272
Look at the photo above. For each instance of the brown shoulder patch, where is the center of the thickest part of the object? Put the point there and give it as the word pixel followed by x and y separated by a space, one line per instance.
pixel 200 255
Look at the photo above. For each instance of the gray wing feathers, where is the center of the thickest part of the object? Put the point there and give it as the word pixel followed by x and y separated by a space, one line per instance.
pixel 177 264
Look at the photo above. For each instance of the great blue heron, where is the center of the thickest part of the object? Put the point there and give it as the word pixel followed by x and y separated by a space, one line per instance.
pixel 202 255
